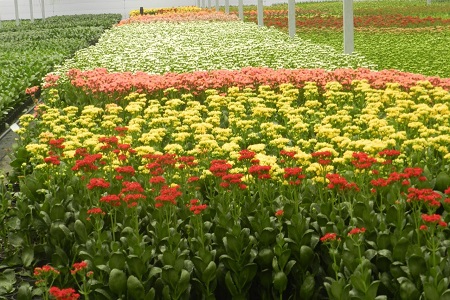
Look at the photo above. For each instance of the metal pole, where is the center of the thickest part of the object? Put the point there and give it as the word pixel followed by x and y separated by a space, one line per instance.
pixel 203 4
pixel 43 10
pixel 241 9
pixel 198 3
pixel 16 7
pixel 260 13
pixel 217 5
pixel 348 27
pixel 31 11
pixel 291 18
pixel 227 6
pixel 209 4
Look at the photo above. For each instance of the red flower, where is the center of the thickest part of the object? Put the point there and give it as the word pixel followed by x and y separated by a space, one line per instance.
pixel 235 179
pixel 113 200
pixel 435 218
pixel 77 267
pixel 427 196
pixel 340 183
pixel 279 213
pixel 389 152
pixel 193 179
pixel 64 294
pixel 45 271
pixel 423 227
pixel 196 207
pixel 362 160
pixel 57 143
pixel 328 237
pixel 246 154
pixel 126 170
pixel 53 160
pixel 219 167
pixel 95 211
pixel 323 157
pixel 356 230
pixel 157 180
pixel 262 172
pixel 167 194
pixel 97 182
pixel 294 175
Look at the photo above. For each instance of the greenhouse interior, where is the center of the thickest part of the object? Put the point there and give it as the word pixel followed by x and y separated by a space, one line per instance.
pixel 224 149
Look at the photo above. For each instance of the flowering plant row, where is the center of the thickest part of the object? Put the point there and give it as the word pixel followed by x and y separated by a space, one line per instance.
pixel 100 86
pixel 265 192
pixel 181 17
pixel 193 46
pixel 168 10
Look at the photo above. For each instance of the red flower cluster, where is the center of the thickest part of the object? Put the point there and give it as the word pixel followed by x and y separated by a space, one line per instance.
pixel 340 183
pixel 294 175
pixel 427 196
pixel 245 154
pixel 323 157
pixel 356 230
pixel 87 163
pixel 262 172
pixel 233 179
pixel 124 170
pixel 78 267
pixel 52 160
pixel 131 192
pixel 187 161
pixel 196 207
pixel 45 271
pixel 108 141
pixel 113 200
pixel 157 180
pixel 407 174
pixel 64 294
pixel 434 219
pixel 57 143
pixel 167 195
pixel 95 211
pixel 159 162
pixel 219 167
pixel 97 183
pixel 328 237
pixel 362 160
pixel 389 155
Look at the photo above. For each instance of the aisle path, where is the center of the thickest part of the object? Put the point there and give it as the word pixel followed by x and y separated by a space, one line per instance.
pixel 6 144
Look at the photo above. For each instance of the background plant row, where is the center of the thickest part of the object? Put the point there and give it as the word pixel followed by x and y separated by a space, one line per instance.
pixel 29 51
pixel 403 35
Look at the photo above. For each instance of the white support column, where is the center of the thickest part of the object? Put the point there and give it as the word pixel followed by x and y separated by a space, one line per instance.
pixel 43 10
pixel 348 27
pixel 31 11
pixel 203 3
pixel 260 13
pixel 198 3
pixel 217 5
pixel 209 4
pixel 227 7
pixel 291 18
pixel 241 9
pixel 16 8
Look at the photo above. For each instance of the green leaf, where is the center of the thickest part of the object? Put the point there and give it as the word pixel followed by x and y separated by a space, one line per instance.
pixel 80 230
pixel 408 290
pixel 371 292
pixel 24 292
pixel 136 266
pixel 280 281
pixel 284 257
pixel 417 266
pixel 27 256
pixel 430 291
pixel 135 288
pixel 268 236
pixel 170 276
pixel 230 285
pixel 117 261
pixel 445 295
pixel 117 282
pixel 57 212
pixel 168 258
pixel 306 256
pixel 210 272
pixel 307 287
